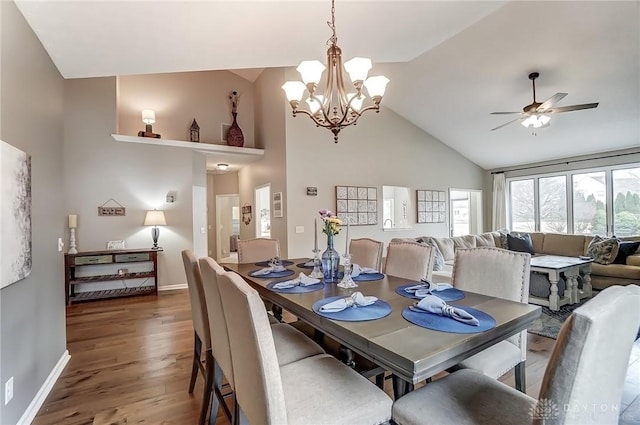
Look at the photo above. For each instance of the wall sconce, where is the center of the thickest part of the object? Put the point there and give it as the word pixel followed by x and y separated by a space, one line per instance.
pixel 148 117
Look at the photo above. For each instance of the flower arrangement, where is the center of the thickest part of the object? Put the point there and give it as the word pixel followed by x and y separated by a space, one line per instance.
pixel 331 222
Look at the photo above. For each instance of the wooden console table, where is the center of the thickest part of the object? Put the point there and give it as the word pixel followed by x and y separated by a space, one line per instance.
pixel 92 259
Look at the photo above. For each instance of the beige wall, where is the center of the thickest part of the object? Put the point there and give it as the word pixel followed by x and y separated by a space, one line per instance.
pixel 178 98
pixel 32 311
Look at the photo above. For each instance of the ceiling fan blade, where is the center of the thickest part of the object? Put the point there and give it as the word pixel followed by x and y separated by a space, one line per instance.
pixel 507 123
pixel 505 113
pixel 571 108
pixel 550 102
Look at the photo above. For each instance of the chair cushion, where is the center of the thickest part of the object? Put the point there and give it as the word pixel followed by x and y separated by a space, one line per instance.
pixel 292 345
pixel 321 390
pixel 465 397
pixel 494 361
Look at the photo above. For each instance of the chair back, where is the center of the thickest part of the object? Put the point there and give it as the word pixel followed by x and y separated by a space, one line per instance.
pixel 220 347
pixel 498 273
pixel 255 364
pixel 409 260
pixel 588 365
pixel 259 249
pixel 366 252
pixel 196 295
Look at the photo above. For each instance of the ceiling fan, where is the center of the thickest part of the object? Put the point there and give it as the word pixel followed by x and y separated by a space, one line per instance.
pixel 536 114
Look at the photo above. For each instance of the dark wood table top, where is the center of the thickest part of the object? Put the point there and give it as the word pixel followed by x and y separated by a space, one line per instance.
pixel 409 351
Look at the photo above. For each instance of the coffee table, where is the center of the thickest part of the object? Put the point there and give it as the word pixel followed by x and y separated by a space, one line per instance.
pixel 572 267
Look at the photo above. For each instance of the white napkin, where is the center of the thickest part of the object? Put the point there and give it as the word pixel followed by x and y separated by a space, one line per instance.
pixel 310 263
pixel 355 300
pixel 433 304
pixel 265 271
pixel 357 270
pixel 301 280
pixel 427 288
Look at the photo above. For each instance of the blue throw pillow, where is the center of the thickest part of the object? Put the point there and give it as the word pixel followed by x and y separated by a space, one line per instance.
pixel 520 243
pixel 624 250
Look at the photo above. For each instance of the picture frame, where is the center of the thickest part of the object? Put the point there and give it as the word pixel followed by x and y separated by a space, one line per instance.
pixel 119 244
pixel 277 205
pixel 431 206
pixel 357 205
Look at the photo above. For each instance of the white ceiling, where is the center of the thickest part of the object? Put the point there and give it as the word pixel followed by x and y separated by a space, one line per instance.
pixel 451 63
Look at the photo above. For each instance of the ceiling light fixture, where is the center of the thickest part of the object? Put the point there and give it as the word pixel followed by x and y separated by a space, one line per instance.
pixel 335 109
pixel 222 167
pixel 536 121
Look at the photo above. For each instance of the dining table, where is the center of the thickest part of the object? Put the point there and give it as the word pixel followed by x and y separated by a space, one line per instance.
pixel 410 352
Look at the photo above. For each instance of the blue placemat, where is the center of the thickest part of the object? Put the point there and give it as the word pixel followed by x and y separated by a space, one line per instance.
pixel 446 324
pixel 447 295
pixel 266 263
pixel 303 266
pixel 377 310
pixel 364 277
pixel 272 274
pixel 296 289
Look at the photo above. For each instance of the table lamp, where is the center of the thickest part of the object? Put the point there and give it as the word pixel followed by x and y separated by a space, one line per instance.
pixel 148 117
pixel 155 218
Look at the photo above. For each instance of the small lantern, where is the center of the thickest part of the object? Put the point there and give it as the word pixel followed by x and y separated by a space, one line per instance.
pixel 194 133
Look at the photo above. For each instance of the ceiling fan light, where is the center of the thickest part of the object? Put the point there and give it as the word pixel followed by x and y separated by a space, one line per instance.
pixel 544 119
pixel 527 122
pixel 294 90
pixel 311 71
pixel 376 85
pixel 358 68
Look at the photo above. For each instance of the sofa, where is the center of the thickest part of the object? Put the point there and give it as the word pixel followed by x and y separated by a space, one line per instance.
pixel 602 275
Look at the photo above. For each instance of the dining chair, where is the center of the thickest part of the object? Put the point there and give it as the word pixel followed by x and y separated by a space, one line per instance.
pixel 258 249
pixel 582 383
pixel 202 335
pixel 291 345
pixel 409 260
pixel 498 273
pixel 366 252
pixel 315 390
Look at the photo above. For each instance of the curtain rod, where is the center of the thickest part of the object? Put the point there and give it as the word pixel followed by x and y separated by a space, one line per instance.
pixel 565 162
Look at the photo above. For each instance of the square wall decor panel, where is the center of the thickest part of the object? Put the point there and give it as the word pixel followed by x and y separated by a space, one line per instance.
pixel 432 206
pixel 356 205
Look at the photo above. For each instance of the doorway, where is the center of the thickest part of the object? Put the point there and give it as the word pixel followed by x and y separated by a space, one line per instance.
pixel 227 226
pixel 263 211
pixel 465 206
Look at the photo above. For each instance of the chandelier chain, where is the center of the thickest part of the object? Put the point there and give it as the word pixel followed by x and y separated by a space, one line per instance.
pixel 333 40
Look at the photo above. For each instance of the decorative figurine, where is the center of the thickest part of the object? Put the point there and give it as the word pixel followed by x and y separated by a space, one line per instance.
pixel 234 134
pixel 194 132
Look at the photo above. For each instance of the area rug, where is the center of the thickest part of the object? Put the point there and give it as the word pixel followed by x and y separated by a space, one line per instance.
pixel 550 322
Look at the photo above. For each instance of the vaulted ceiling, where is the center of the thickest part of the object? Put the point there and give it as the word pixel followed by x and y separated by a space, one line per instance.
pixel 451 63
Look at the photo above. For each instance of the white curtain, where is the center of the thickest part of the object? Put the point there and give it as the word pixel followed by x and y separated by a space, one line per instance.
pixel 499 219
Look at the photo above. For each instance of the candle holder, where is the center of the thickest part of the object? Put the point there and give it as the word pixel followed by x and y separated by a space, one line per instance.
pixel 317 265
pixel 347 281
pixel 72 241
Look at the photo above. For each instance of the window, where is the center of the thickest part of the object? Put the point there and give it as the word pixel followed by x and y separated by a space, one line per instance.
pixel 263 211
pixel 605 201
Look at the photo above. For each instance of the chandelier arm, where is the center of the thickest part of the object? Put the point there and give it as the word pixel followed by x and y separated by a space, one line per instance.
pixel 346 113
pixel 322 108
pixel 325 124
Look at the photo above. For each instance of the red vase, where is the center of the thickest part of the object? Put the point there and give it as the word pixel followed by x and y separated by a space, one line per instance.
pixel 234 134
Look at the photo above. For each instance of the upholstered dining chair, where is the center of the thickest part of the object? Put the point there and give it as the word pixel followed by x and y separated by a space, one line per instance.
pixel 291 345
pixel 366 252
pixel 498 273
pixel 259 249
pixel 202 335
pixel 409 260
pixel 315 390
pixel 582 383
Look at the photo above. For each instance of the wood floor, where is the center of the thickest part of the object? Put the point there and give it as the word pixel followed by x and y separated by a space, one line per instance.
pixel 131 362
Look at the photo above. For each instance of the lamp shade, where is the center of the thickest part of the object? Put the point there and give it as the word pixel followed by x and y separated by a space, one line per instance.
pixel 358 68
pixel 155 218
pixel 294 90
pixel 310 71
pixel 148 116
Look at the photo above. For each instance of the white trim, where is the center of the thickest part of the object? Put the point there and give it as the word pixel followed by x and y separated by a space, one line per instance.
pixel 173 287
pixel 29 415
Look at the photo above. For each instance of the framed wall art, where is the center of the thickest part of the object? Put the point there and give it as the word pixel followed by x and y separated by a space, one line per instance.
pixel 277 204
pixel 357 205
pixel 432 206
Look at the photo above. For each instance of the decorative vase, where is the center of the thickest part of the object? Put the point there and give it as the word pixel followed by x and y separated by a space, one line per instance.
pixel 330 262
pixel 234 134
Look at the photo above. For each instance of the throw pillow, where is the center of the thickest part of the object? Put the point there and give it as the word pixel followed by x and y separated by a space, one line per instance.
pixel 520 243
pixel 438 263
pixel 603 250
pixel 501 241
pixel 624 250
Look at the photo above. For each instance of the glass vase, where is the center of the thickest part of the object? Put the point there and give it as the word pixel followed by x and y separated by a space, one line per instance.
pixel 330 262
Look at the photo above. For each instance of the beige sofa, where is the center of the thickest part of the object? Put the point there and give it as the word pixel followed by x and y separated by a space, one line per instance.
pixel 602 275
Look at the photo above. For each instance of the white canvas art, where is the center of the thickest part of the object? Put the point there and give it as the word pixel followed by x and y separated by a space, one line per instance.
pixel 15 214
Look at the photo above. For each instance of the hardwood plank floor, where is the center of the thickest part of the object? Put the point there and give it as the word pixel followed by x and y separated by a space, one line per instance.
pixel 131 362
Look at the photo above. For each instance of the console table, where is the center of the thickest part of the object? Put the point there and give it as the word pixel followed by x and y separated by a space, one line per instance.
pixel 84 268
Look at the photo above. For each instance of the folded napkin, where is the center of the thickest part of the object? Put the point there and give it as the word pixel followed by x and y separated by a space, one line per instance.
pixel 433 304
pixel 309 263
pixel 267 270
pixel 301 280
pixel 357 270
pixel 427 288
pixel 355 300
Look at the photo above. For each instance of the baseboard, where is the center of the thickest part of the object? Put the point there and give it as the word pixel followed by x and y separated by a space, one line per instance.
pixel 173 287
pixel 32 410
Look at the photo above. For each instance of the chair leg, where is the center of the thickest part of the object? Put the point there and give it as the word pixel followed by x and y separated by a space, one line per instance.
pixel 346 356
pixel 400 387
pixel 380 381
pixel 197 349
pixel 217 399
pixel 208 387
pixel 520 377
pixel 277 312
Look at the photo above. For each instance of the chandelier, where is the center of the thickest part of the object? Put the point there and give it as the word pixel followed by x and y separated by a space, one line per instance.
pixel 336 108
